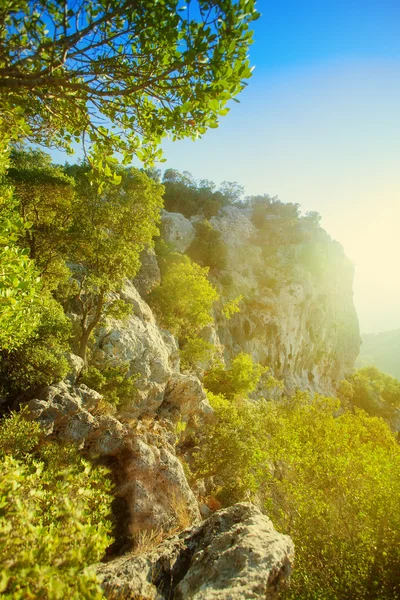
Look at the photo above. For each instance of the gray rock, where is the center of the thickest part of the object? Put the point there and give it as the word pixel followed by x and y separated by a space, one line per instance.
pixel 150 353
pixel 185 398
pixel 148 475
pixel 177 230
pixel 298 321
pixel 149 275
pixel 235 554
pixel 76 365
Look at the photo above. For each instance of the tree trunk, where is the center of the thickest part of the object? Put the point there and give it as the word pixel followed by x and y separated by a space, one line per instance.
pixel 86 331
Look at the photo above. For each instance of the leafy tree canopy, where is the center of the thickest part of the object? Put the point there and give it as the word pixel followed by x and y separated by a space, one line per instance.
pixel 121 73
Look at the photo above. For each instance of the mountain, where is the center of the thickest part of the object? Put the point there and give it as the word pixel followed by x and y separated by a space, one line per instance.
pixel 381 350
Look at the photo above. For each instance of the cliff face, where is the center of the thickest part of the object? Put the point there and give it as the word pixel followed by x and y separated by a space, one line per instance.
pixel 296 314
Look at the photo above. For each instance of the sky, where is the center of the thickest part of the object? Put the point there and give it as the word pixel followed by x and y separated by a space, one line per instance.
pixel 319 124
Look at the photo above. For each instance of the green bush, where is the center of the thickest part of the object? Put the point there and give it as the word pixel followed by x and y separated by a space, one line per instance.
pixel 195 350
pixel 184 300
pixel 240 379
pixel 41 360
pixel 114 383
pixel 208 249
pixel 54 518
pixel 375 392
pixel 331 482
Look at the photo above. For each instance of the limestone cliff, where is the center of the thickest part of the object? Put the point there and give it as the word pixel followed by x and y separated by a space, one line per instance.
pixel 297 314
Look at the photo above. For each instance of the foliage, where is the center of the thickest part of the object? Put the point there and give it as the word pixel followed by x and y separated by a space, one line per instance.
pixel 18 436
pixel 331 480
pixel 184 195
pixel 53 521
pixel 108 233
pixel 240 379
pixel 114 383
pixel 46 201
pixel 208 249
pixel 92 70
pixel 232 307
pixel 375 392
pixel 19 283
pixel 184 299
pixel 40 360
pixel 232 451
pixel 196 351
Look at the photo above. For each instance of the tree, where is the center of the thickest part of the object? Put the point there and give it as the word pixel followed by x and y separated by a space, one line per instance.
pixel 108 233
pixel 46 200
pixel 239 379
pixel 375 392
pixel 121 73
pixel 19 281
pixel 185 298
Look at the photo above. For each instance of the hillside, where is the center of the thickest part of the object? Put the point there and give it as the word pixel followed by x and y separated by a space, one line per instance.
pixel 381 350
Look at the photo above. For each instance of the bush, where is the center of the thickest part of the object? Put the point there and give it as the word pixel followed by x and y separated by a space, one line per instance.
pixel 375 392
pixel 196 350
pixel 40 361
pixel 208 249
pixel 53 519
pixel 331 482
pixel 114 383
pixel 184 300
pixel 240 379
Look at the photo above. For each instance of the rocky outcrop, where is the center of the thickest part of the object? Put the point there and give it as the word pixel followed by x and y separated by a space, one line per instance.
pixel 235 554
pixel 185 399
pixel 151 353
pixel 297 314
pixel 149 276
pixel 149 478
pixel 177 230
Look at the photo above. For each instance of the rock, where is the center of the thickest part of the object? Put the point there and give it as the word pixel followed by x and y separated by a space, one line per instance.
pixel 185 398
pixel 297 315
pixel 154 483
pixel 150 353
pixel 149 276
pixel 235 554
pixel 148 476
pixel 76 365
pixel 64 412
pixel 177 230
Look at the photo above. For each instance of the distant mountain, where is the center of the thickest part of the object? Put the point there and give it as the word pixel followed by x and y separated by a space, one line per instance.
pixel 381 350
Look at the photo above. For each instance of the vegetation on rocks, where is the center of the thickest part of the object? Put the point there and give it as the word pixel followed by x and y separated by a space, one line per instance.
pixel 54 520
pixel 326 470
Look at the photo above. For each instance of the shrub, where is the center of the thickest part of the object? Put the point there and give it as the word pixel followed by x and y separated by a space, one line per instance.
pixel 196 350
pixel 40 360
pixel 53 519
pixel 240 379
pixel 185 298
pixel 331 482
pixel 375 392
pixel 232 307
pixel 114 383
pixel 208 249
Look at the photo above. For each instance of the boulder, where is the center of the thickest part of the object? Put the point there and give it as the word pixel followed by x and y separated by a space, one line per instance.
pixel 149 276
pixel 235 554
pixel 177 230
pixel 185 398
pixel 150 353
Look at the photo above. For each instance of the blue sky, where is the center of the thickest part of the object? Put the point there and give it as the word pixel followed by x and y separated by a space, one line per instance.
pixel 319 124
